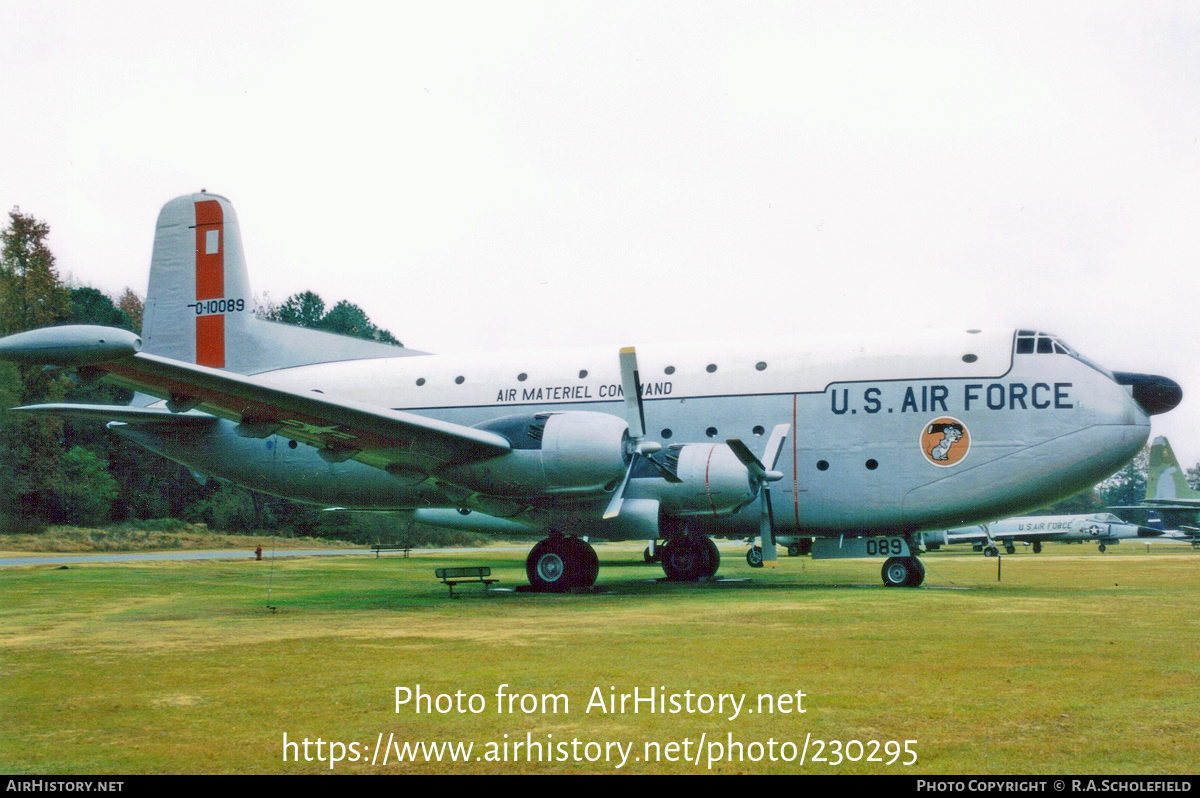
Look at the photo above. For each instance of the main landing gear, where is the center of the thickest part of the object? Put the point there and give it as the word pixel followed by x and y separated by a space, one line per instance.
pixel 560 563
pixel 687 558
pixel 903 572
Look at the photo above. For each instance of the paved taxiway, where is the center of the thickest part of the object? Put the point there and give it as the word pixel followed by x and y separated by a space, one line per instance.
pixel 228 554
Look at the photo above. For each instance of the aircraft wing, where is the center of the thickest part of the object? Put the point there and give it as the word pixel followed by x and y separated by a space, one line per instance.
pixel 341 429
pixel 974 535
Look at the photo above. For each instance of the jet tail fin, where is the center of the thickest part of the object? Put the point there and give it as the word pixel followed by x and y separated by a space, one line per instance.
pixel 1165 479
pixel 199 307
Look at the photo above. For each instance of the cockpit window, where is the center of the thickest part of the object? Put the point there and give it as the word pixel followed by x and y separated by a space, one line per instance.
pixel 1030 342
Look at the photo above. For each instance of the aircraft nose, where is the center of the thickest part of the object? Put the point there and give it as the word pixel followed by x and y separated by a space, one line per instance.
pixel 1155 394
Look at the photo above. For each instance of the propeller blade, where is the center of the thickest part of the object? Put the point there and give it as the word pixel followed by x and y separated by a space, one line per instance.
pixel 747 458
pixel 636 417
pixel 760 473
pixel 631 386
pixel 664 472
pixel 614 504
pixel 775 444
pixel 767 533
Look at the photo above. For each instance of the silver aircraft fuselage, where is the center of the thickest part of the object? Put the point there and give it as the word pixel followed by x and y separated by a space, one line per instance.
pixel 928 431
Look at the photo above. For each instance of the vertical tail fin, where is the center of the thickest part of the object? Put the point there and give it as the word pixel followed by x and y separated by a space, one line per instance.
pixel 199 308
pixel 198 305
pixel 1165 479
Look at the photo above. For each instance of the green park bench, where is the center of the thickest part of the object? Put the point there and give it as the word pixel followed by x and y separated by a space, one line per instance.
pixel 456 576
pixel 401 547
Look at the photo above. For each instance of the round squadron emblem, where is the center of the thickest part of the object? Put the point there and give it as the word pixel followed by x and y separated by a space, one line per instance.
pixel 945 441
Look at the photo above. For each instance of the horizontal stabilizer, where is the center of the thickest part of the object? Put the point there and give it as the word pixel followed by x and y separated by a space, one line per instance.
pixel 70 345
pixel 122 413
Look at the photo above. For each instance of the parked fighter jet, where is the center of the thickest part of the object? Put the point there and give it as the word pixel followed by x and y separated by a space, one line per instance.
pixel 1103 528
pixel 1173 505
pixel 858 443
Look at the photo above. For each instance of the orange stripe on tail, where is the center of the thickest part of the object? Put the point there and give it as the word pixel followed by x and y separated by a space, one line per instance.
pixel 210 341
pixel 210 282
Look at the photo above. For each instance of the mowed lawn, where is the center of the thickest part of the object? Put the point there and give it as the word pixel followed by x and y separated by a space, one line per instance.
pixel 1076 662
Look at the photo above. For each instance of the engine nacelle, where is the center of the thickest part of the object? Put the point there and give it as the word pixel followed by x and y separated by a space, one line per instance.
pixel 569 452
pixel 714 481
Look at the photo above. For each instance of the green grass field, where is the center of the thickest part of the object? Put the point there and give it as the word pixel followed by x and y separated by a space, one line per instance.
pixel 1076 662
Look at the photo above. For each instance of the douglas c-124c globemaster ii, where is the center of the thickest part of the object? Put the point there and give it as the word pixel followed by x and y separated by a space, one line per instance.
pixel 858 444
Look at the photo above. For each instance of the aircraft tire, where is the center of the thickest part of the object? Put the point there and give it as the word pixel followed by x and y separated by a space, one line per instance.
pixel 754 557
pixel 903 572
pixel 558 563
pixel 686 559
pixel 546 566
pixel 1103 548
pixel 794 550
pixel 1037 547
pixel 584 562
pixel 991 551
pixel 918 572
pixel 648 557
pixel 714 557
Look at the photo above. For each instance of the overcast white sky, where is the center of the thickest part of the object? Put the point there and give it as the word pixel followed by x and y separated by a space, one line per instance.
pixel 507 175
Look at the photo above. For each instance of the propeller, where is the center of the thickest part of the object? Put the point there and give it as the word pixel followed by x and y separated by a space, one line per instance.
pixel 635 414
pixel 761 476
